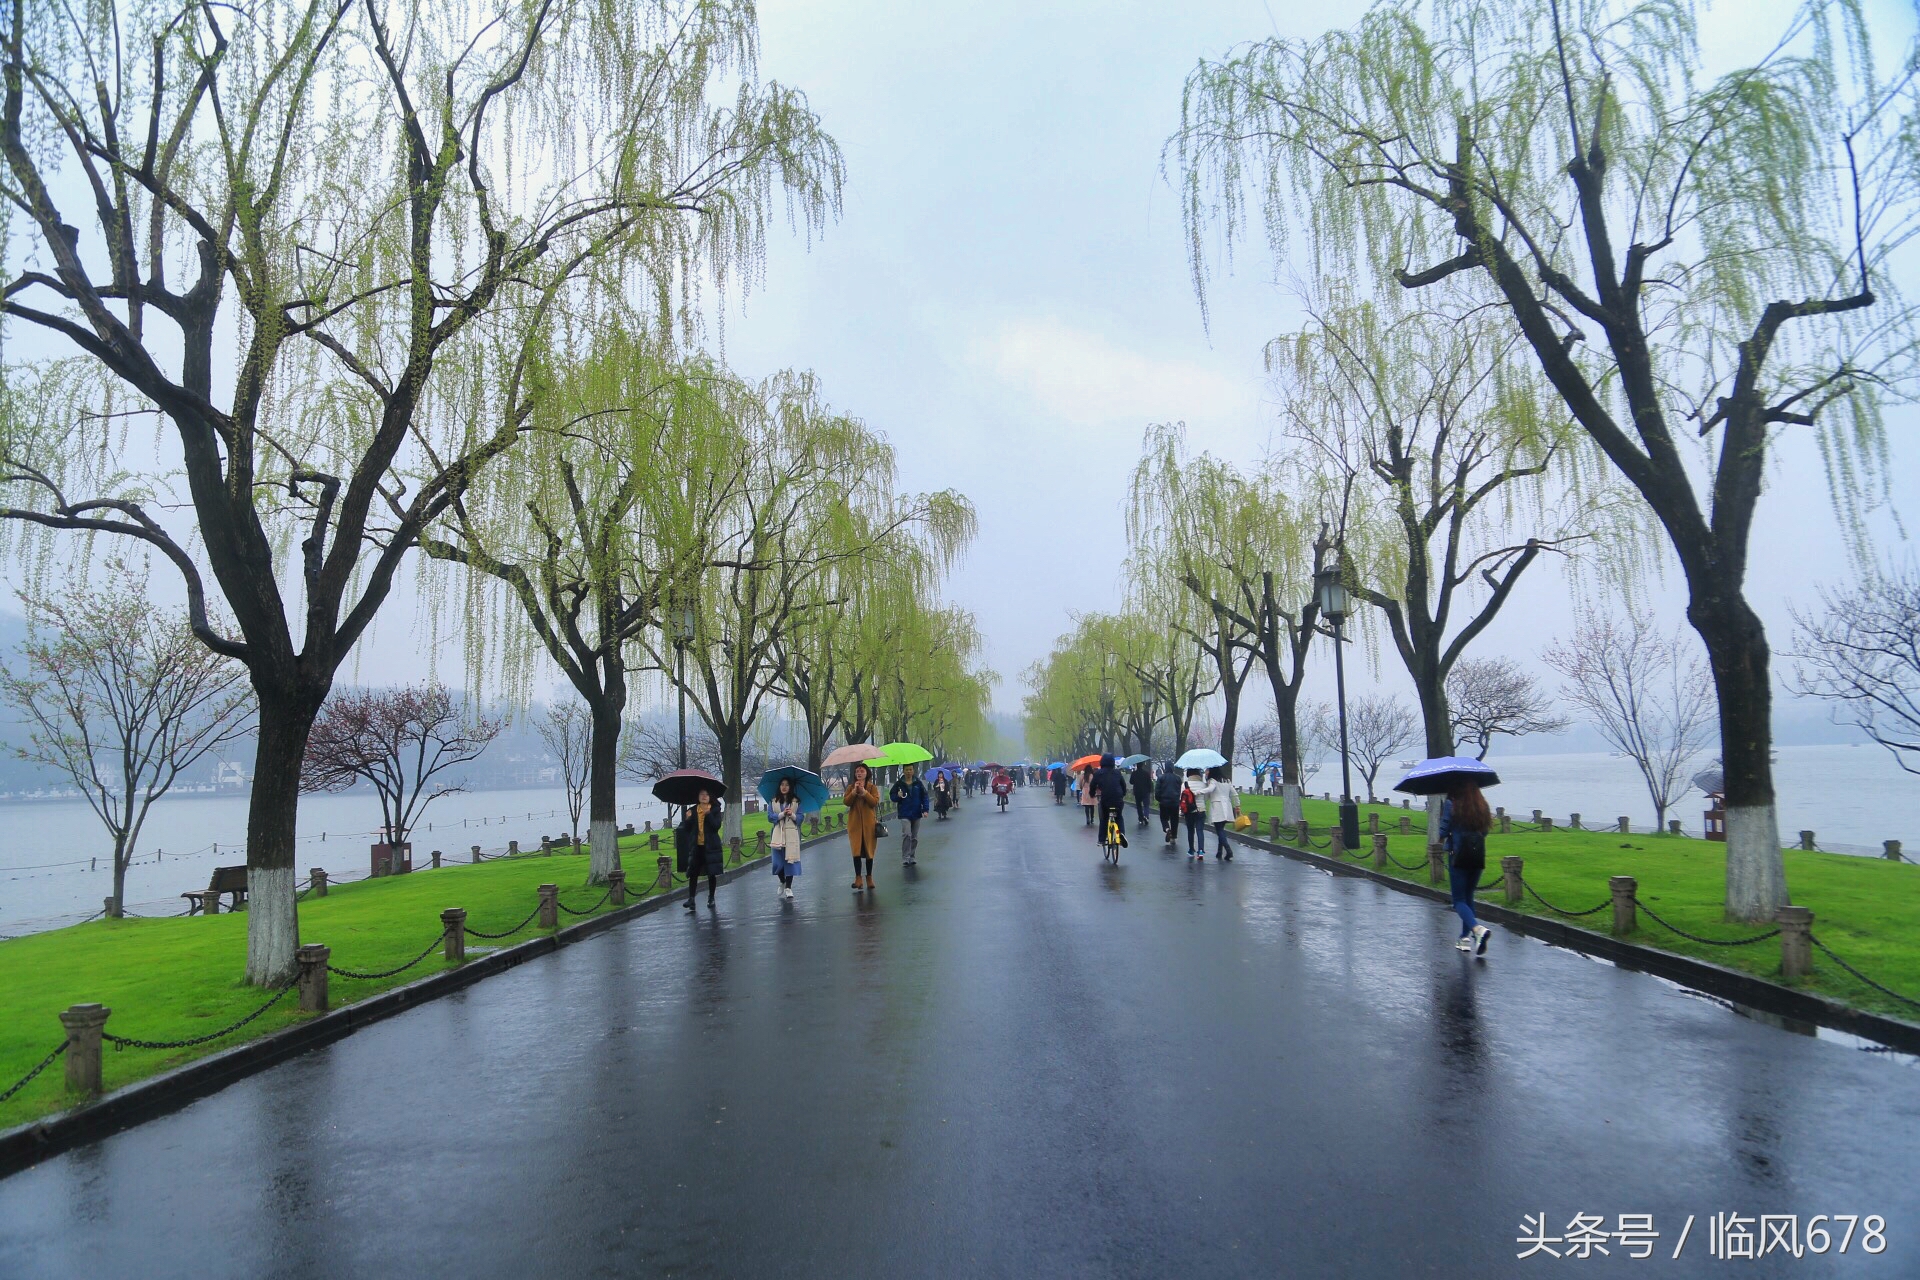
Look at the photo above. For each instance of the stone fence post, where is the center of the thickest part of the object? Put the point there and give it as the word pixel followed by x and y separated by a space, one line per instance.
pixel 1380 851
pixel 549 906
pixel 476 853
pixel 1337 838
pixel 1673 827
pixel 546 846
pixel 1892 848
pixel 453 923
pixel 1510 868
pixel 84 1023
pixel 1623 889
pixel 1796 941
pixel 436 859
pixel 1626 827
pixel 318 879
pixel 1406 824
pixel 1806 840
pixel 1373 821
pixel 1573 823
pixel 1436 863
pixel 312 958
pixel 1506 824
pixel 1273 830
pixel 665 880
pixel 1546 824
pixel 1536 817
pixel 617 887
pixel 1306 833
pixel 513 848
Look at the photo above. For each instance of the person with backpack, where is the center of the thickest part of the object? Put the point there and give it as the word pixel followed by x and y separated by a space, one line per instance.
pixel 910 794
pixel 1464 823
pixel 1193 809
pixel 1166 794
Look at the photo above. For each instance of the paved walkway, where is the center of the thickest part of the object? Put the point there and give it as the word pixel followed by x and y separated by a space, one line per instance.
pixel 1011 1061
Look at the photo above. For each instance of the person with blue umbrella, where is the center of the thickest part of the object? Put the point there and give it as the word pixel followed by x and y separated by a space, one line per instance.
pixel 790 792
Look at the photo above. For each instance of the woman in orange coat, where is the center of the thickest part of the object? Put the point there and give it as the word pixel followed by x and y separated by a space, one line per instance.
pixel 862 799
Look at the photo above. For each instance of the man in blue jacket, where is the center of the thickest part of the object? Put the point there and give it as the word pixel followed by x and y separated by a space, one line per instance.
pixel 911 795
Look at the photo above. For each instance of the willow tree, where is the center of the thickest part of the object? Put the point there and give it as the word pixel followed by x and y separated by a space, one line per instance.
pixel 1463 476
pixel 1245 548
pixel 630 458
pixel 319 243
pixel 933 689
pixel 815 493
pixel 1155 644
pixel 1695 263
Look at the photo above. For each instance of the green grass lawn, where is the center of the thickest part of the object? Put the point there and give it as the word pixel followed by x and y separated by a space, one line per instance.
pixel 1866 909
pixel 179 977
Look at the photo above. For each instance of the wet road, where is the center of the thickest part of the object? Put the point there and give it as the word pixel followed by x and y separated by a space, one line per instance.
pixel 1011 1061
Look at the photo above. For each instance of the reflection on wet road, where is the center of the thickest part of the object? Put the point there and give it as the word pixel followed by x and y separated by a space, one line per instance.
pixel 1010 1061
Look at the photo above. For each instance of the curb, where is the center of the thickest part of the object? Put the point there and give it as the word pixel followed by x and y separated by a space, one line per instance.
pixel 1734 985
pixel 27 1144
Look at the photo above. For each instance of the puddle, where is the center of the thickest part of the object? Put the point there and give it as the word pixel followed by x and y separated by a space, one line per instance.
pixel 1795 1026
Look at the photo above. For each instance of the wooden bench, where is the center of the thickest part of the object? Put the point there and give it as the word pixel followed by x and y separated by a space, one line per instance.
pixel 225 880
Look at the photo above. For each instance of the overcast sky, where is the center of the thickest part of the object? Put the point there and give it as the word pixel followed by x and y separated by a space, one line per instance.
pixel 1008 294
pixel 1007 297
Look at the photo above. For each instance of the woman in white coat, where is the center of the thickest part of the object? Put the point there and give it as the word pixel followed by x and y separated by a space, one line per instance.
pixel 1223 806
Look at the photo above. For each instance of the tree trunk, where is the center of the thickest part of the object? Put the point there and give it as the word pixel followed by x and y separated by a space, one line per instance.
pixel 122 851
pixel 603 827
pixel 273 916
pixel 1737 651
pixel 731 750
pixel 1436 716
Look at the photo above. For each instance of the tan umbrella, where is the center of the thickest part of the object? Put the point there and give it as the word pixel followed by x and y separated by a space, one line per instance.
pixel 852 753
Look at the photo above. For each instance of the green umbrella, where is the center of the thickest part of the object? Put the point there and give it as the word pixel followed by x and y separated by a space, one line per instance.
pixel 903 753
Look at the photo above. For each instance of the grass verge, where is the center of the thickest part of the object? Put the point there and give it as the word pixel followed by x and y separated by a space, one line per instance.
pixel 179 977
pixel 1867 910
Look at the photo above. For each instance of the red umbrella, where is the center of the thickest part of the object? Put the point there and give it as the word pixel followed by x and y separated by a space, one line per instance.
pixel 1085 762
pixel 683 787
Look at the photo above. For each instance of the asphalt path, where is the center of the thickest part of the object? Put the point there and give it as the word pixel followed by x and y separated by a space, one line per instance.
pixel 1011 1060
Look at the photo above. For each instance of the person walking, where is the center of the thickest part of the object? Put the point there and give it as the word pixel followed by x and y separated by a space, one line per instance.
pixel 910 795
pixel 1193 807
pixel 942 797
pixel 1087 798
pixel 862 799
pixel 699 844
pixel 1223 806
pixel 1166 794
pixel 1464 823
pixel 1058 777
pixel 1142 790
pixel 784 813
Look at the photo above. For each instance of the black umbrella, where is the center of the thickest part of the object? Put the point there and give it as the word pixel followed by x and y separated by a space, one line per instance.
pixel 683 787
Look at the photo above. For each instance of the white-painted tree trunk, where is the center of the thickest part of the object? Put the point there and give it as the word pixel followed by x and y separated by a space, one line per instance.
pixel 273 926
pixel 1433 817
pixel 1291 811
pixel 603 842
pixel 1756 877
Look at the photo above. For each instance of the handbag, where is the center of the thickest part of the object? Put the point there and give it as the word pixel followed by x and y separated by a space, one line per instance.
pixel 879 829
pixel 1242 821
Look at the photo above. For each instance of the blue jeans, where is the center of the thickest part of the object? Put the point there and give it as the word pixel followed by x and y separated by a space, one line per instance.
pixel 1463 882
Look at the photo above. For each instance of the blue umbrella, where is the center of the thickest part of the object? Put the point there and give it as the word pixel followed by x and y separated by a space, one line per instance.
pixel 1127 762
pixel 806 785
pixel 1443 773
pixel 1058 764
pixel 1200 758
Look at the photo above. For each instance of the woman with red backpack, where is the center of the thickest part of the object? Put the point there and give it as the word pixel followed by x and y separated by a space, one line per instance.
pixel 1194 810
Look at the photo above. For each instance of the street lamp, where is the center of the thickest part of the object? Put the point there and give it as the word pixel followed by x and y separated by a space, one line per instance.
pixel 1330 591
pixel 682 637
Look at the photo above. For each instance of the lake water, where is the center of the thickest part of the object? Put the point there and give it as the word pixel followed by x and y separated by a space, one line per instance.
pixel 186 837
pixel 1851 797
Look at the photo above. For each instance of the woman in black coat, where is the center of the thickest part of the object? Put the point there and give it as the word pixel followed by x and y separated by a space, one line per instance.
pixel 700 846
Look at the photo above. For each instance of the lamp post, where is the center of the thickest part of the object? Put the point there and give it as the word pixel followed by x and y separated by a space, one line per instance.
pixel 682 637
pixel 1330 590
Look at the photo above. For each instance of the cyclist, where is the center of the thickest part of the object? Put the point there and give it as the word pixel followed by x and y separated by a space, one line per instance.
pixel 1002 788
pixel 1110 795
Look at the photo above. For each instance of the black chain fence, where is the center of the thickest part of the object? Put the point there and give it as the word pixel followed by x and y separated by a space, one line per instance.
pixel 129 1042
pixel 604 898
pixel 1562 910
pixel 1828 953
pixel 28 1078
pixel 1711 942
pixel 397 969
pixel 476 933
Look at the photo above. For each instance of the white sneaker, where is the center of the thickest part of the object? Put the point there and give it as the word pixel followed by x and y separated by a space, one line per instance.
pixel 1480 935
pixel 1464 944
